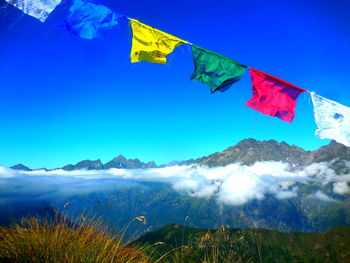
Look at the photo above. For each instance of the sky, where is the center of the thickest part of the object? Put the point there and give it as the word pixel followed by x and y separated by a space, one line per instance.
pixel 66 99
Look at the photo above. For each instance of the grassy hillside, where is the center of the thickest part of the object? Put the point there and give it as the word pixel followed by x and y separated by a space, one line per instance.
pixel 39 241
pixel 250 245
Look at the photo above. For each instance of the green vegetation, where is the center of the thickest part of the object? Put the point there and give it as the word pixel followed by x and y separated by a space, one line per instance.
pixel 250 245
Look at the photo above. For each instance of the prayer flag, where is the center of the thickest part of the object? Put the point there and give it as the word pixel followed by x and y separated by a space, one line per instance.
pixel 214 70
pixel 39 9
pixel 150 44
pixel 332 120
pixel 273 96
pixel 90 20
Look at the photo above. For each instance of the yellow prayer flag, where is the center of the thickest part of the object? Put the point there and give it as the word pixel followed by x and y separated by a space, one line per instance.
pixel 151 44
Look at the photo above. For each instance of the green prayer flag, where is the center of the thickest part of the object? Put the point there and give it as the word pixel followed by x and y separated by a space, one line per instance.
pixel 214 70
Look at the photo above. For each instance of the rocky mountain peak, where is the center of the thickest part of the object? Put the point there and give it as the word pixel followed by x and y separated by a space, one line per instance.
pixel 121 162
pixel 85 164
pixel 20 167
pixel 120 158
pixel 117 162
pixel 249 151
pixel 331 151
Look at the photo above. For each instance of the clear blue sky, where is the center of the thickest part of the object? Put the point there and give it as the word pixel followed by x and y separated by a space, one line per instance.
pixel 64 99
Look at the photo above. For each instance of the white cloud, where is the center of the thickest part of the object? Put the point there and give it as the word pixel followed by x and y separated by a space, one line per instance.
pixel 6 172
pixel 321 196
pixel 186 185
pixel 342 186
pixel 286 194
pixel 238 188
pixel 233 184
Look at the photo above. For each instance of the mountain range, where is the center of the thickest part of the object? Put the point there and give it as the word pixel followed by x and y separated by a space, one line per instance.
pixel 314 206
pixel 118 162
pixel 246 152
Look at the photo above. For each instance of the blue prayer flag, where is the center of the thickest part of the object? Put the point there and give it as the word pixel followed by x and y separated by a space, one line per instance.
pixel 90 20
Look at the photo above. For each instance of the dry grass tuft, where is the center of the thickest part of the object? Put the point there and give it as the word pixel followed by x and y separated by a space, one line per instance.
pixel 60 241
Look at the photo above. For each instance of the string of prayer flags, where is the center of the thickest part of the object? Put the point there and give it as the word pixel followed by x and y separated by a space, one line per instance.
pixel 273 96
pixel 214 70
pixel 90 20
pixel 40 9
pixel 151 44
pixel 332 119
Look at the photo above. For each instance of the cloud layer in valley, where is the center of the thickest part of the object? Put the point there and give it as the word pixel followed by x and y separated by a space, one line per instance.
pixel 234 184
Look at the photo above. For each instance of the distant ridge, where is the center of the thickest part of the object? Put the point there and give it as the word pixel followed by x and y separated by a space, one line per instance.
pixel 246 152
pixel 20 167
pixel 122 162
pixel 86 164
pixel 249 151
pixel 118 162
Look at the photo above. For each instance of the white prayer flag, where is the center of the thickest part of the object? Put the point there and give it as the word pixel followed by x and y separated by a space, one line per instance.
pixel 39 9
pixel 332 119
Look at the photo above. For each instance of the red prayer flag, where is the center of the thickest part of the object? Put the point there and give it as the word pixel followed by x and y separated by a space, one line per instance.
pixel 273 96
